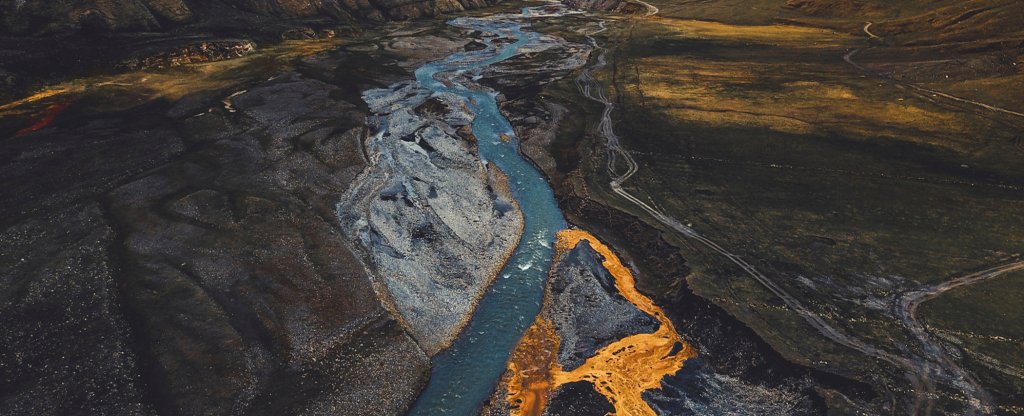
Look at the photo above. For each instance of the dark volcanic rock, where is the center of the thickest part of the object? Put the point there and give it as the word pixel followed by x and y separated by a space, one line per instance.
pixel 702 390
pixel 579 399
pixel 588 313
pixel 151 264
pixel 64 340
pixel 586 308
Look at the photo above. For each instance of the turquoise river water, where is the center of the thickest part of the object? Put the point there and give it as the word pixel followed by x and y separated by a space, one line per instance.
pixel 465 375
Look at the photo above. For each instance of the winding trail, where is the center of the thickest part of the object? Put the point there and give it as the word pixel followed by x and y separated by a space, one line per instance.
pixel 920 373
pixel 591 89
pixel 906 306
pixel 651 9
pixel 849 59
pixel 867 30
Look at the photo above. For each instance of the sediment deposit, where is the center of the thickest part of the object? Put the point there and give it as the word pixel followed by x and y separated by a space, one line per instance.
pixel 436 221
pixel 619 369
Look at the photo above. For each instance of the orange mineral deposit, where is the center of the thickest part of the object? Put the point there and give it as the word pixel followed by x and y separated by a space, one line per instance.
pixel 621 371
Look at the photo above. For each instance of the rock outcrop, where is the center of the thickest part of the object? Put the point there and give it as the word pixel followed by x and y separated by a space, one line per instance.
pixel 586 309
pixel 191 53
pixel 585 313
pixel 437 222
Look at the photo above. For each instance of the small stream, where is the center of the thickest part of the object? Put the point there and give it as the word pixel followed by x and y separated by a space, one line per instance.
pixel 465 375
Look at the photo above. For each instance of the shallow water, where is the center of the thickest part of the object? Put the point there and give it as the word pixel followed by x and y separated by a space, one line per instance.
pixel 465 375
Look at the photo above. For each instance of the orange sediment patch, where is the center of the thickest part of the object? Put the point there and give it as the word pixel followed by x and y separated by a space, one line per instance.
pixel 532 365
pixel 621 372
pixel 46 118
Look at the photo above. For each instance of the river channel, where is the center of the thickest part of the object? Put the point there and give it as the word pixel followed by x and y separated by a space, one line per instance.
pixel 465 374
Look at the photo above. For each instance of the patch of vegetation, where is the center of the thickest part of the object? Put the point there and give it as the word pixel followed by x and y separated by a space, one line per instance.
pixel 985 320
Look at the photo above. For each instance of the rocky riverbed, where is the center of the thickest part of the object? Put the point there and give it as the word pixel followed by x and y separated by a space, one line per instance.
pixel 435 220
pixel 438 222
pixel 586 313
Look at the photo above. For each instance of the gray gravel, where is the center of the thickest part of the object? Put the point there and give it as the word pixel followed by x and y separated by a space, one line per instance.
pixel 436 222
